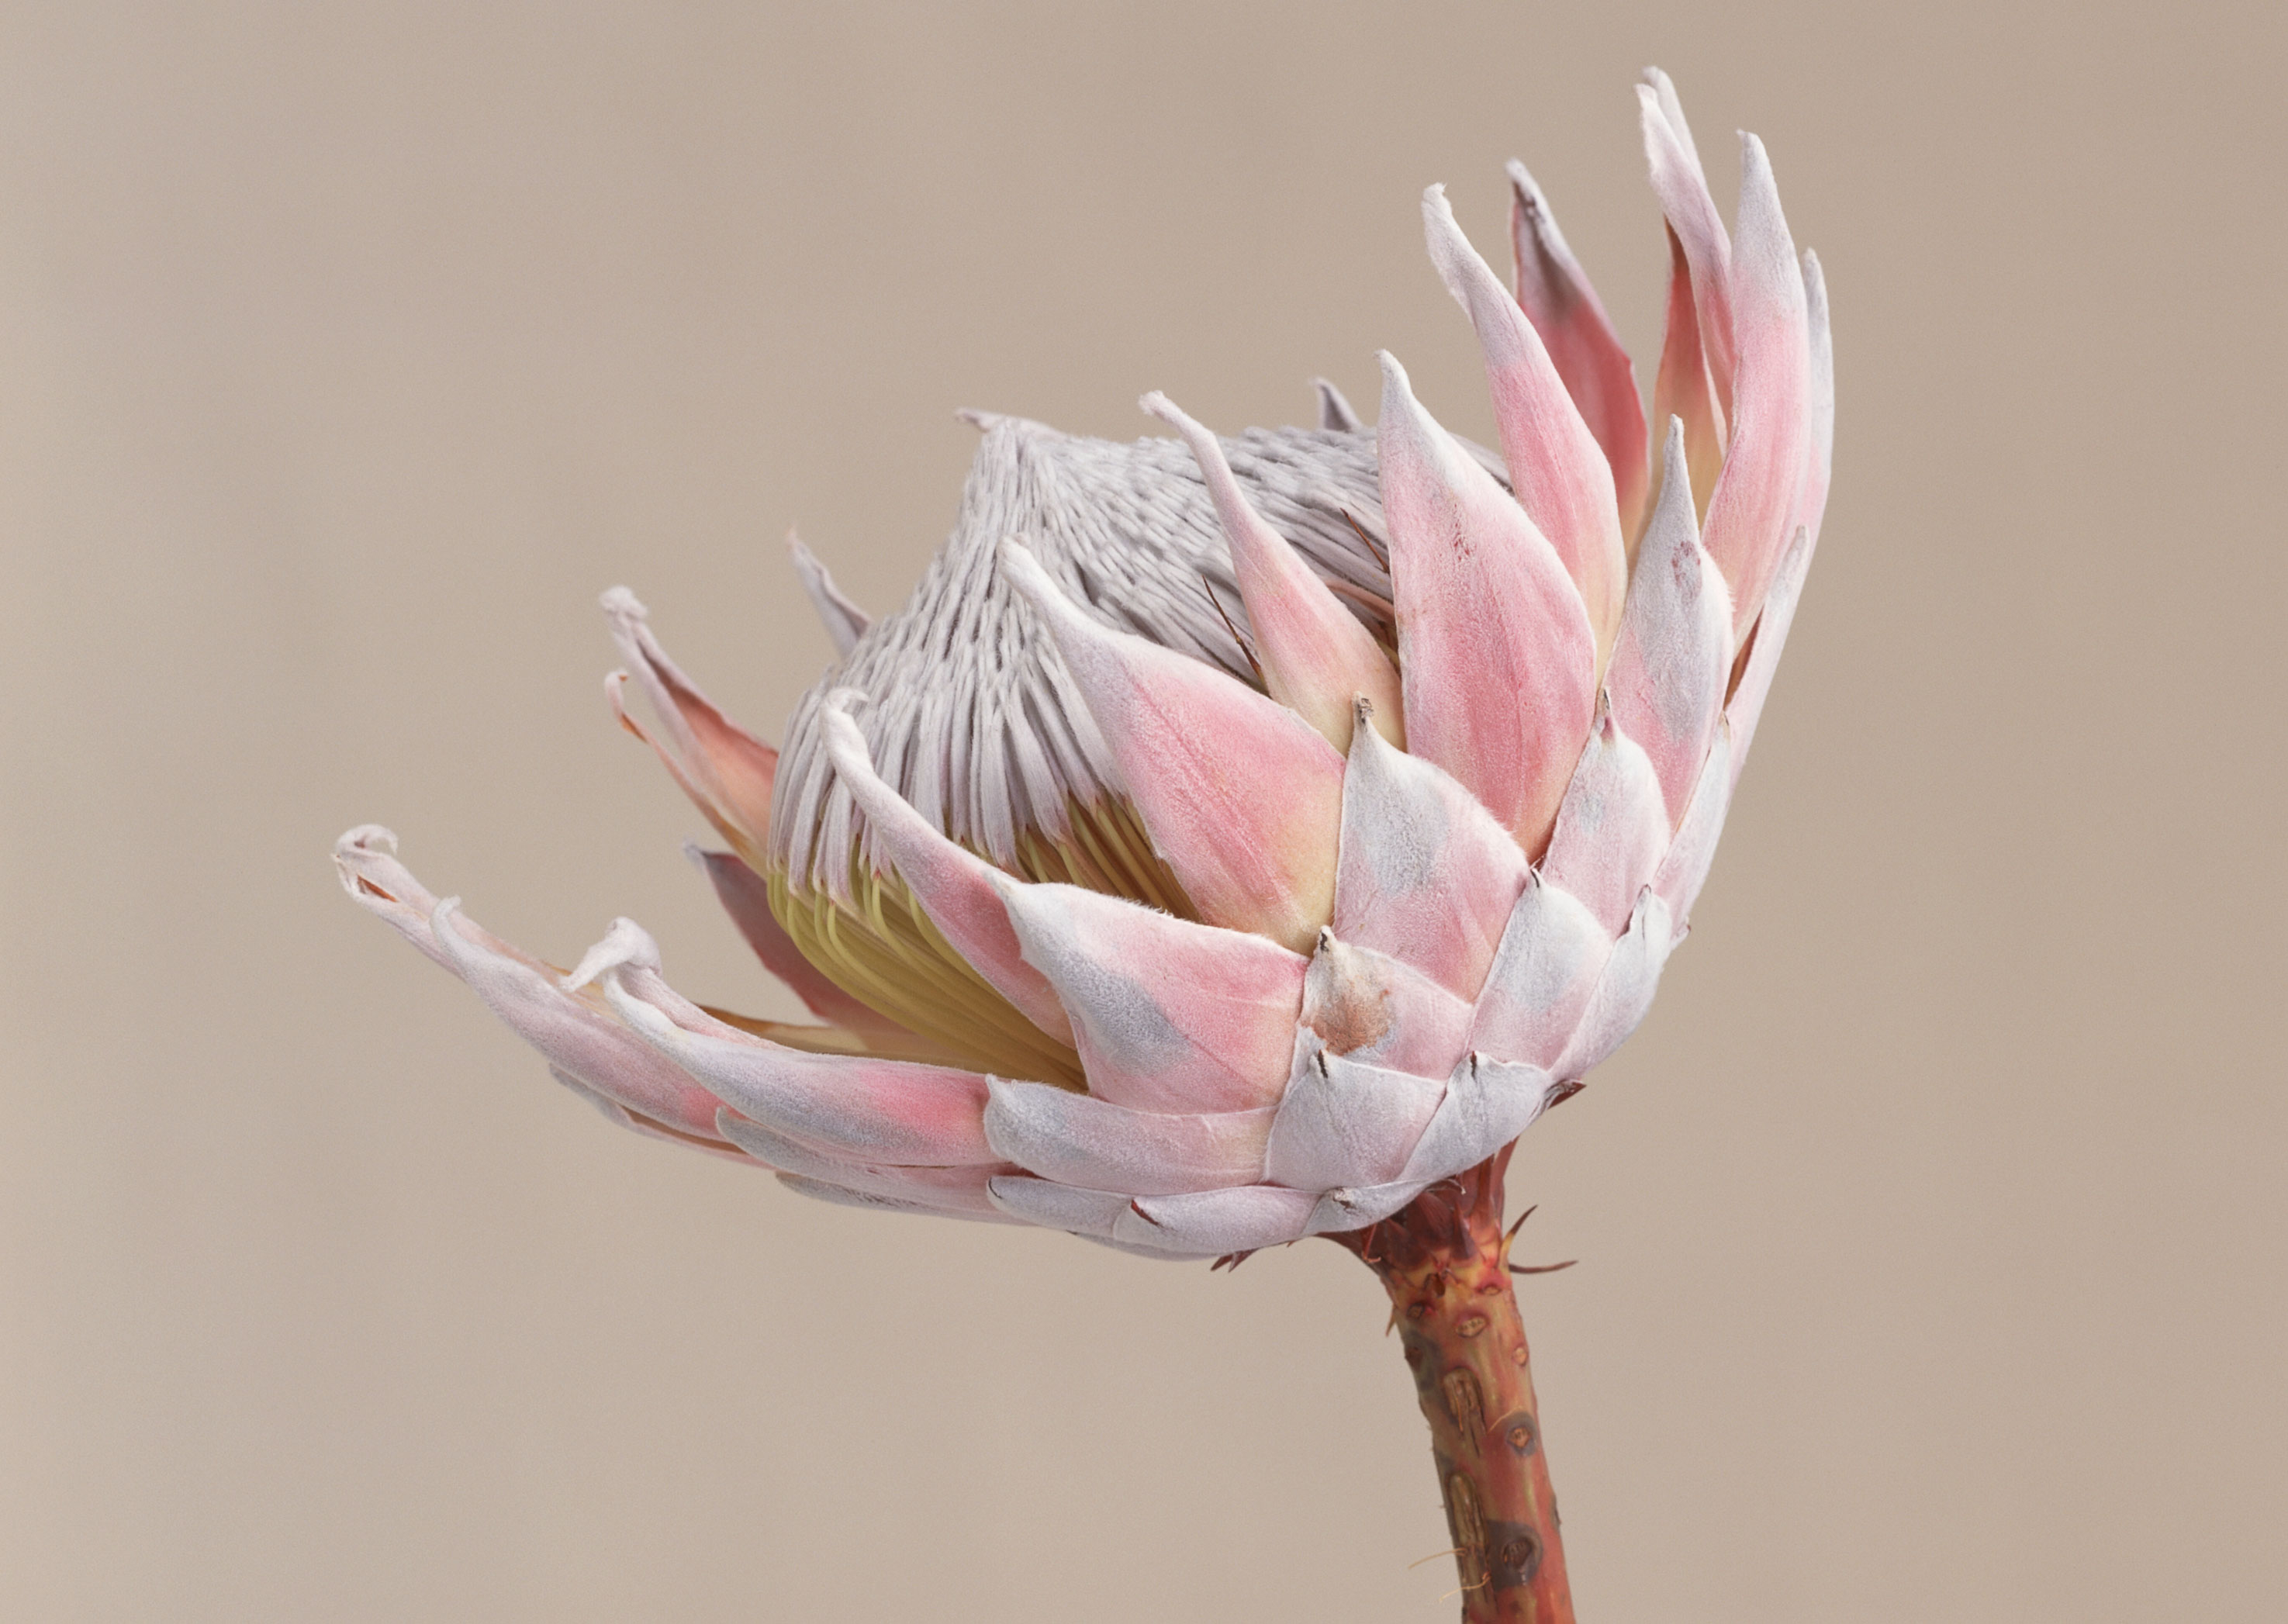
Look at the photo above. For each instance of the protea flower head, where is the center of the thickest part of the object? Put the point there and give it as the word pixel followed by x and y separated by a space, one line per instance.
pixel 1234 839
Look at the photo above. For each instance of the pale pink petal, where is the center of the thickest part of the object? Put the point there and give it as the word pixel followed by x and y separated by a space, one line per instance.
pixel 1356 1206
pixel 725 769
pixel 1054 1206
pixel 620 1116
pixel 1556 296
pixel 1770 636
pixel 1551 956
pixel 1078 1139
pixel 1676 881
pixel 1335 412
pixel 1426 874
pixel 1674 658
pixel 1556 467
pixel 1682 389
pixel 852 1106
pixel 1167 1014
pixel 747 899
pixel 1671 108
pixel 1209 1223
pixel 921 1206
pixel 1766 644
pixel 1316 656
pixel 1819 440
pixel 957 889
pixel 1752 511
pixel 573 1031
pixel 1216 1223
pixel 1242 799
pixel 1611 830
pixel 365 860
pixel 1495 647
pixel 955 1191
pixel 1343 1123
pixel 1372 1007
pixel 1681 186
pixel 1625 991
pixel 1487 1103
pixel 845 620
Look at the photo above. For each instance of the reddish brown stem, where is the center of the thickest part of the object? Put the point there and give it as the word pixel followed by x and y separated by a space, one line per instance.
pixel 1445 1262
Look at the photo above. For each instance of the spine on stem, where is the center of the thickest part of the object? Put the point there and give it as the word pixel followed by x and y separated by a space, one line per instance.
pixel 1445 1263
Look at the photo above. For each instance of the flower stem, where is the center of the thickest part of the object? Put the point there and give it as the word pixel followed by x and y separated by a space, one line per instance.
pixel 1445 1262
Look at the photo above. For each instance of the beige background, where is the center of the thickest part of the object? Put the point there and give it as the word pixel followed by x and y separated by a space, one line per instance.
pixel 1932 1229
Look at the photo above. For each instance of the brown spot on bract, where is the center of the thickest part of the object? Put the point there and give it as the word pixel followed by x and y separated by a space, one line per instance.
pixel 1344 1000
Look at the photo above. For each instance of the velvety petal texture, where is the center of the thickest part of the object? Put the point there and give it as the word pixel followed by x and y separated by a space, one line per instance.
pixel 1241 796
pixel 1556 296
pixel 1494 642
pixel 1277 823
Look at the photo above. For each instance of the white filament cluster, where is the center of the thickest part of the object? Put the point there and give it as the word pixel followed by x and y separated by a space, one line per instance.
pixel 972 715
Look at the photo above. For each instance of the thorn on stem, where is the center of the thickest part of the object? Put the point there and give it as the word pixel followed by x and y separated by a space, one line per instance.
pixel 1510 1234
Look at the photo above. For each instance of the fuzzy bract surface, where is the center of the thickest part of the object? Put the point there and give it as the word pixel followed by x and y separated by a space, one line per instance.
pixel 1235 836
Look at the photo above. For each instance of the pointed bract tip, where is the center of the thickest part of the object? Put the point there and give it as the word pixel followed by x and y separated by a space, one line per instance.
pixel 1206 449
pixel 367 837
pixel 1403 415
pixel 620 604
pixel 842 735
pixel 625 942
pixel 1335 412
pixel 1157 405
pixel 1026 574
pixel 980 420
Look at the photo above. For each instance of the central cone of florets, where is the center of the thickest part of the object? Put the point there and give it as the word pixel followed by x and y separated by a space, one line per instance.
pixel 968 710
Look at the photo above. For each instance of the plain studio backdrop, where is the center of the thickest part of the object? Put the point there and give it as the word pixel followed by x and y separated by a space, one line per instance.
pixel 1932 1229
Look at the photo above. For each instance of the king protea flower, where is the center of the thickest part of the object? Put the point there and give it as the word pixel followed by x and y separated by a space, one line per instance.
pixel 1236 840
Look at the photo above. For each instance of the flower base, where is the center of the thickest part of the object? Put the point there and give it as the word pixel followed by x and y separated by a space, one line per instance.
pixel 1445 1262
